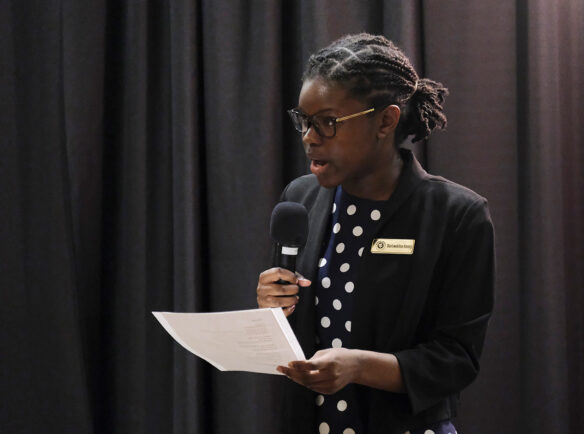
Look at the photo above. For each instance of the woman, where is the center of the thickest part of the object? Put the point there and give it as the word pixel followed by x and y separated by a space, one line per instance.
pixel 399 263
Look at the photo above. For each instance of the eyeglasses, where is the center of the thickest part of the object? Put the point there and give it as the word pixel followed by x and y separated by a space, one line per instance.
pixel 325 126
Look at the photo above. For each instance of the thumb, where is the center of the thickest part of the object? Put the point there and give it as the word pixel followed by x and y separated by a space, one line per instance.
pixel 301 280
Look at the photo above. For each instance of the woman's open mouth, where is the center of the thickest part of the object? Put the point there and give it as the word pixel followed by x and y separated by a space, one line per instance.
pixel 317 166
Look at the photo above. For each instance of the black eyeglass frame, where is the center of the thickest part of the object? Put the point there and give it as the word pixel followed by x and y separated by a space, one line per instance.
pixel 308 121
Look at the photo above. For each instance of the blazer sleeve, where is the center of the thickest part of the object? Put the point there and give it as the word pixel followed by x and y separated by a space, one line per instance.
pixel 448 358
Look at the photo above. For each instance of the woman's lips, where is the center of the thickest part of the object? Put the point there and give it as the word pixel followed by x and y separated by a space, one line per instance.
pixel 317 166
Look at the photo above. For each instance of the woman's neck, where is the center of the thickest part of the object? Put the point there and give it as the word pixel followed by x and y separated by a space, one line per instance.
pixel 381 182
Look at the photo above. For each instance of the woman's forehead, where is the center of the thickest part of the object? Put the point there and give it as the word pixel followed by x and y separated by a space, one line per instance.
pixel 318 94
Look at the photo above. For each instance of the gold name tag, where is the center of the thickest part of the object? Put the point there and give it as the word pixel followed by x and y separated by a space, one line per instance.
pixel 391 246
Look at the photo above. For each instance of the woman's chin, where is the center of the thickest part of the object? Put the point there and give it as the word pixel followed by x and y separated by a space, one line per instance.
pixel 327 182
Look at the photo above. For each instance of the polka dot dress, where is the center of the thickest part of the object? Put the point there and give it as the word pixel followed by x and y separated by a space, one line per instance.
pixel 353 222
pixel 444 427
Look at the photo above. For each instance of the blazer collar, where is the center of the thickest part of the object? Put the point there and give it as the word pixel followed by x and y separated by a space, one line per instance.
pixel 411 176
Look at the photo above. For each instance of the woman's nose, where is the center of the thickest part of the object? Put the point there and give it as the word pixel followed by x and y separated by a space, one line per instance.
pixel 311 137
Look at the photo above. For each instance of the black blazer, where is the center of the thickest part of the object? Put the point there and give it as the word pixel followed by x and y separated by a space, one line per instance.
pixel 430 308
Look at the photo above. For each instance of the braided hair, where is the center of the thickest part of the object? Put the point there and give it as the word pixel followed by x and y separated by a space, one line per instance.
pixel 374 70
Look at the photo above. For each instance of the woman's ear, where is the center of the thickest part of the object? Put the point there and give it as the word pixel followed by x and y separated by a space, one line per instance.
pixel 389 120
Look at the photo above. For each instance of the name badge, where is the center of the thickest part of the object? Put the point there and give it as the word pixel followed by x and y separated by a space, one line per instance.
pixel 391 246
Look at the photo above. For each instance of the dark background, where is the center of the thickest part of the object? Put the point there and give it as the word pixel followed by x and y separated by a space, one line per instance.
pixel 143 145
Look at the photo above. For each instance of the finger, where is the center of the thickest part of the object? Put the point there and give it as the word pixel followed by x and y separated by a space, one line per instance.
pixel 301 365
pixel 301 377
pixel 277 273
pixel 319 381
pixel 315 380
pixel 281 301
pixel 283 289
pixel 320 353
pixel 277 290
pixel 274 301
pixel 302 281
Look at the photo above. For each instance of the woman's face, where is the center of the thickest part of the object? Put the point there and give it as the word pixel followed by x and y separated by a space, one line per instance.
pixel 355 156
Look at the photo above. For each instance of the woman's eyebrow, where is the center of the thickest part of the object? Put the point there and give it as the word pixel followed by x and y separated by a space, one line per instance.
pixel 314 114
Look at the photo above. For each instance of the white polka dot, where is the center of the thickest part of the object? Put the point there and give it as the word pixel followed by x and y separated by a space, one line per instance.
pixel 349 286
pixel 351 209
pixel 357 231
pixel 348 326
pixel 342 405
pixel 337 304
pixel 325 282
pixel 429 431
pixel 319 400
pixel 361 251
pixel 323 428
pixel 322 262
pixel 315 300
pixel 340 247
pixel 345 267
pixel 349 431
pixel 337 343
pixel 334 207
pixel 325 322
pixel 336 228
pixel 375 214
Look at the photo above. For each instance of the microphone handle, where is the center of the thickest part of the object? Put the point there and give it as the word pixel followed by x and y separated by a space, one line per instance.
pixel 285 258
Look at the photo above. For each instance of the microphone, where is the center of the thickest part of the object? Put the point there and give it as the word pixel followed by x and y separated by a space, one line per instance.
pixel 289 230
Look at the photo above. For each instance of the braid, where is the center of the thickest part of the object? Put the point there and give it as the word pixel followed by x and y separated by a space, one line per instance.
pixel 373 69
pixel 425 111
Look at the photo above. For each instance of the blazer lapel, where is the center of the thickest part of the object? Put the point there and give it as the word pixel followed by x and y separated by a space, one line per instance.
pixel 318 217
pixel 412 175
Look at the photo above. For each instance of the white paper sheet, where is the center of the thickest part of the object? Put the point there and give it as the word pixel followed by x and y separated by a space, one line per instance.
pixel 255 340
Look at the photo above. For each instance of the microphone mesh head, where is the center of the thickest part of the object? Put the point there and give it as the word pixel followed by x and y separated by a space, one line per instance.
pixel 289 224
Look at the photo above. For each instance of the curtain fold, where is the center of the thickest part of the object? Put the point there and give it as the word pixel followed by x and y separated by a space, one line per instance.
pixel 144 144
pixel 186 122
pixel 45 380
pixel 551 173
pixel 471 47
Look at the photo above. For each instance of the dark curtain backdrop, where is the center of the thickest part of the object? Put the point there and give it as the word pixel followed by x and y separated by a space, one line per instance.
pixel 143 145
